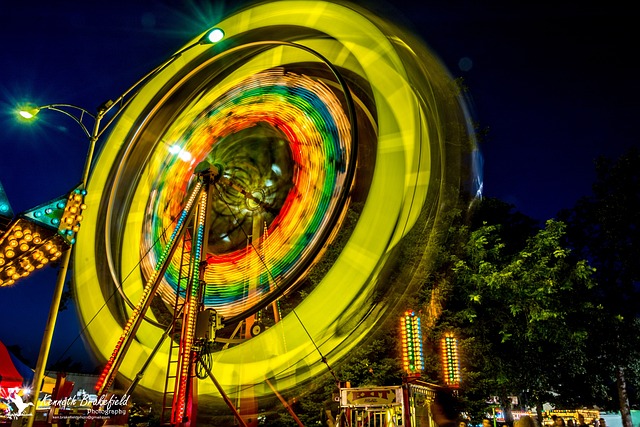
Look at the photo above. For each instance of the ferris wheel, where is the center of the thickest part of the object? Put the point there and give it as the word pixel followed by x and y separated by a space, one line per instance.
pixel 286 183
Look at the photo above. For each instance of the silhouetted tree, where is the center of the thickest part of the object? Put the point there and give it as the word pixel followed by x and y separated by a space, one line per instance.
pixel 605 229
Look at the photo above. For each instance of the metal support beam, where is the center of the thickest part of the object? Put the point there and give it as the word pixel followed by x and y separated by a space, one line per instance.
pixel 223 394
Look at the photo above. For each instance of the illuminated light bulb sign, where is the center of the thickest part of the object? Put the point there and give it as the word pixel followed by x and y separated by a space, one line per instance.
pixel 69 223
pixel 412 355
pixel 26 247
pixel 450 360
pixel 40 236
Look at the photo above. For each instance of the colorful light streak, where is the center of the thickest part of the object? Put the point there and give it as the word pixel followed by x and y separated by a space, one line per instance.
pixel 191 307
pixel 307 117
pixel 419 134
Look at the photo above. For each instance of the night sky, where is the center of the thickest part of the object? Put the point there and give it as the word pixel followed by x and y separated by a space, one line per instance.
pixel 553 85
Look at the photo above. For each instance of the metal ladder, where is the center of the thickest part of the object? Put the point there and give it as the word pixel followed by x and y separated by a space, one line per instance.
pixel 174 344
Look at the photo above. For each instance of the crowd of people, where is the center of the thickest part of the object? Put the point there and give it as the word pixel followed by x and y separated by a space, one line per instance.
pixel 529 421
pixel 446 414
pixel 580 422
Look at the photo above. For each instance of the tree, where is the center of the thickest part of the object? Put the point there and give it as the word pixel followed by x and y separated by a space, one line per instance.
pixel 515 312
pixel 605 228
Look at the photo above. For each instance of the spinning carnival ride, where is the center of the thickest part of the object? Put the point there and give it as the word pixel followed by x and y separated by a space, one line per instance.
pixel 290 181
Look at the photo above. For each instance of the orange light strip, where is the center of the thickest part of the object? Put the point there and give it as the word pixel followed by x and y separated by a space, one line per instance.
pixel 190 314
pixel 107 376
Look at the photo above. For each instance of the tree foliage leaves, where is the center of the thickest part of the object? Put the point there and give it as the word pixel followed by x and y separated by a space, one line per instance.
pixel 519 312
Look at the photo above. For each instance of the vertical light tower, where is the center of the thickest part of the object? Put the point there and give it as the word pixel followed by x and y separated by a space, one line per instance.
pixel 450 360
pixel 412 353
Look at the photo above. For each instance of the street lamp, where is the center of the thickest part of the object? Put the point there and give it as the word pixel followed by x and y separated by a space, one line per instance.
pixel 92 131
pixel 45 346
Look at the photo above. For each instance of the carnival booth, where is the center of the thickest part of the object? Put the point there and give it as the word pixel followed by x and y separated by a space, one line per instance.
pixel 13 373
pixel 14 376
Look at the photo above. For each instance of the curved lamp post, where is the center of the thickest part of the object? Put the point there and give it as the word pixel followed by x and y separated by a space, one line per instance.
pixel 93 136
pixel 80 115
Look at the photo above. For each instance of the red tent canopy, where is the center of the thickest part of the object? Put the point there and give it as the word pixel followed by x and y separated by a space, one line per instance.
pixel 9 375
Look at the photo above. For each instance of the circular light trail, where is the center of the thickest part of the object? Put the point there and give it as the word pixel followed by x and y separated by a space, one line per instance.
pixel 277 135
pixel 267 106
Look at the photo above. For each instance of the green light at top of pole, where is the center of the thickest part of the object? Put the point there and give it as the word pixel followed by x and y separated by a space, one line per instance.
pixel 214 36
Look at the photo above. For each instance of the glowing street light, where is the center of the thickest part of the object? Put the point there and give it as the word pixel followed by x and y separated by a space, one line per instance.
pixel 213 36
pixel 29 113
pixel 77 114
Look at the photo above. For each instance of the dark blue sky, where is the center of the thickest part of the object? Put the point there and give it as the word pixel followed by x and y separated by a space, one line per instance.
pixel 553 84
